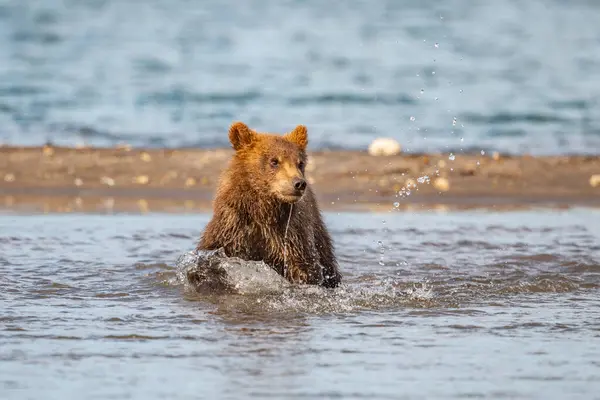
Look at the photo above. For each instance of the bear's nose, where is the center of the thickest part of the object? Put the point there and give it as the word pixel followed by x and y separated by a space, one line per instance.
pixel 299 184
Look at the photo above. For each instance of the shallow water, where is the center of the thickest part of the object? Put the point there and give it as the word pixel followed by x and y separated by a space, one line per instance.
pixel 457 305
pixel 516 76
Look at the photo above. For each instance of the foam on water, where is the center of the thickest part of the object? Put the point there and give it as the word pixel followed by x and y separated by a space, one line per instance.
pixel 253 285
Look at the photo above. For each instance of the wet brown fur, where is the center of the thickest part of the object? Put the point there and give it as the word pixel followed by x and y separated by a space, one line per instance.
pixel 253 203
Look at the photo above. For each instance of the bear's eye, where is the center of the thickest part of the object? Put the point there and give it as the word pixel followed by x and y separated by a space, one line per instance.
pixel 274 162
pixel 301 165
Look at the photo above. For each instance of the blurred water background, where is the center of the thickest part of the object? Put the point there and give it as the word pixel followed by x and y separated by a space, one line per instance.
pixel 511 76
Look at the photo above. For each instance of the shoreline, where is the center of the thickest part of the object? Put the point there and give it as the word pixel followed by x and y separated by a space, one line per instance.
pixel 54 179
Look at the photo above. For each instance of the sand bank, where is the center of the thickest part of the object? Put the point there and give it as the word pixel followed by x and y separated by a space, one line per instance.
pixel 60 179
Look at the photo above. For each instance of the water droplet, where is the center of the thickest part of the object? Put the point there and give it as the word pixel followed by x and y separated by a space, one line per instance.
pixel 454 121
pixel 396 204
pixel 412 118
pixel 451 157
pixel 482 152
pixel 423 179
pixel 380 243
pixel 436 98
pixel 462 139
pixel 437 45
pixel 460 91
pixel 432 72
pixel 422 91
pixel 383 222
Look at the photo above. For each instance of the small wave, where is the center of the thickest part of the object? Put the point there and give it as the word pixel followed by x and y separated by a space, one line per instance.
pixel 181 96
pixel 134 336
pixel 36 37
pixel 506 118
pixel 365 99
pixel 21 90
pixel 543 284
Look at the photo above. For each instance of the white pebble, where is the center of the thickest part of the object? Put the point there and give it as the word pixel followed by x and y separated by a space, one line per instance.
pixel 384 147
pixel 107 181
pixel 441 184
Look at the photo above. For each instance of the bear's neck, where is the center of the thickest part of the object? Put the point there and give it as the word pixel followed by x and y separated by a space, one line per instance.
pixel 262 209
pixel 272 211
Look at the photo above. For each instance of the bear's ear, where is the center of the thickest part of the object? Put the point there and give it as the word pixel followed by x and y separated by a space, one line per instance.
pixel 240 135
pixel 298 136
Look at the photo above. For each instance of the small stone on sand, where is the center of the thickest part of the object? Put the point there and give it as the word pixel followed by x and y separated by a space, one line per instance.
pixel 9 177
pixel 595 180
pixel 48 151
pixel 441 184
pixel 141 179
pixel 384 147
pixel 189 182
pixel 145 157
pixel 78 182
pixel 107 181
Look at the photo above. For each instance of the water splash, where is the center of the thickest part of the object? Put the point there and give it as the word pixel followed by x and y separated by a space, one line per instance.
pixel 251 286
pixel 381 252
pixel 423 179
pixel 411 185
pixel 212 272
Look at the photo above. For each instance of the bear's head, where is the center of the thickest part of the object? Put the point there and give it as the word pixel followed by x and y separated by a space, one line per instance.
pixel 272 164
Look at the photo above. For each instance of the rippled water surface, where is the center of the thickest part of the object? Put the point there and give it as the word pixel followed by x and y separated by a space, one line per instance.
pixel 457 305
pixel 507 75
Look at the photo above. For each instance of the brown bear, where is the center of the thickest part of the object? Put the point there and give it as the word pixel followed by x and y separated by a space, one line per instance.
pixel 265 210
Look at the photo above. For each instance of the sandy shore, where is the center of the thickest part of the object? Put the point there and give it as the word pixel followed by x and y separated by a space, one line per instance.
pixel 59 179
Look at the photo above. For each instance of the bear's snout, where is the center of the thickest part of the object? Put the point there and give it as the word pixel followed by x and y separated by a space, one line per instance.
pixel 299 184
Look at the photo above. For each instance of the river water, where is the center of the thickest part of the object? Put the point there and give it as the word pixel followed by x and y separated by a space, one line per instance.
pixel 434 305
pixel 439 75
